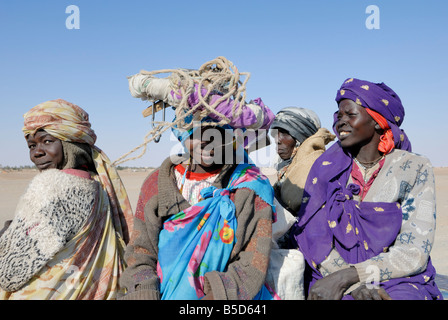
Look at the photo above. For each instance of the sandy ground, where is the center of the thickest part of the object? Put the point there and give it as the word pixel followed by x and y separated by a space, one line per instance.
pixel 13 185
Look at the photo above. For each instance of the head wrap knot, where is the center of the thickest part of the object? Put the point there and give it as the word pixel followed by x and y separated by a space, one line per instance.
pixel 69 123
pixel 61 119
pixel 388 110
pixel 300 123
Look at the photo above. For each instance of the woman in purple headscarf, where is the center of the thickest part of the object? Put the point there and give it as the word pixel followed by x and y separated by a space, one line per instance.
pixel 367 224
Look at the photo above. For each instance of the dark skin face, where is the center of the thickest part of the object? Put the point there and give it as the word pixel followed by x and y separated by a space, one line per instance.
pixel 204 159
pixel 206 149
pixel 357 131
pixel 285 144
pixel 46 151
pixel 360 134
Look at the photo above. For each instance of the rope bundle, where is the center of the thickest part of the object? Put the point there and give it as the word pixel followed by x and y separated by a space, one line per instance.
pixel 218 76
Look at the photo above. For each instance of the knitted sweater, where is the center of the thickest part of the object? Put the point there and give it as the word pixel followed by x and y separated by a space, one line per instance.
pixel 159 199
pixel 408 179
pixel 50 213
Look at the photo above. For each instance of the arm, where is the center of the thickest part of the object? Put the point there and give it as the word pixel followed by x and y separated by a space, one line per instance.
pixel 333 286
pixel 410 252
pixel 5 227
pixel 140 279
pixel 333 263
pixel 49 214
pixel 250 257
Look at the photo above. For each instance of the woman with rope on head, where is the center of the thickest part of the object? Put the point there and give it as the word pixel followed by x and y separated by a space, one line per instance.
pixel 368 226
pixel 69 232
pixel 202 228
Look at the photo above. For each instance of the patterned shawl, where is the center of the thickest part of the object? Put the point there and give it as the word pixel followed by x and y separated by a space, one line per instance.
pixel 200 238
pixel 331 217
pixel 94 257
pixel 330 204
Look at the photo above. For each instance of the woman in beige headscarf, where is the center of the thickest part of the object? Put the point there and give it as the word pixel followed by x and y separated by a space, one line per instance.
pixel 70 228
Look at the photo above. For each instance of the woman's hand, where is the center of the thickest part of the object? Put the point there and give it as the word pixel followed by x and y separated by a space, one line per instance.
pixel 333 286
pixel 363 293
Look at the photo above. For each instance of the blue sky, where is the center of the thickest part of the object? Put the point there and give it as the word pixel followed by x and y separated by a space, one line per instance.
pixel 298 54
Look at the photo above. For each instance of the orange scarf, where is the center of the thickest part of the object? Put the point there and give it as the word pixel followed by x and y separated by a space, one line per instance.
pixel 387 143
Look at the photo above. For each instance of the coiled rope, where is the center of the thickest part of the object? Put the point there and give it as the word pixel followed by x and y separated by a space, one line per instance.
pixel 218 76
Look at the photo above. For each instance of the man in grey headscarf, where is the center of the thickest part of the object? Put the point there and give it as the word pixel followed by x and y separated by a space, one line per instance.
pixel 300 141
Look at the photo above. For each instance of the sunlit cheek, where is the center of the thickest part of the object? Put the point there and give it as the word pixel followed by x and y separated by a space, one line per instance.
pixel 195 154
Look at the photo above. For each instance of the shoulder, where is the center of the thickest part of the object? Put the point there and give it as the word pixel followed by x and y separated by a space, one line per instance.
pixel 247 173
pixel 247 197
pixel 406 156
pixel 404 174
pixel 331 162
pixel 54 182
pixel 52 176
pixel 53 207
pixel 151 180
pixel 256 173
pixel 150 186
pixel 317 142
pixel 407 164
pixel 148 190
pixel 250 176
pixel 78 173
pixel 51 190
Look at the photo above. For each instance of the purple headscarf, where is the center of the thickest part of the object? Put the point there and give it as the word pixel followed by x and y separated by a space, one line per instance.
pixel 380 98
pixel 329 206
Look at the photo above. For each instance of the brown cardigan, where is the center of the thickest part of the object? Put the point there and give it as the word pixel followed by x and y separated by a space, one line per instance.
pixel 159 199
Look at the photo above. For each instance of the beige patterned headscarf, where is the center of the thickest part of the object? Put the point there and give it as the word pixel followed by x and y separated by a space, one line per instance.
pixel 61 119
pixel 96 252
pixel 68 122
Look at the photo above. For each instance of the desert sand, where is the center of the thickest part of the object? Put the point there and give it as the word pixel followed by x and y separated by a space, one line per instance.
pixel 14 183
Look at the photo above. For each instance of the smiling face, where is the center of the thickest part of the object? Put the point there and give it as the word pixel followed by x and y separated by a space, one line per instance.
pixel 46 151
pixel 206 147
pixel 355 128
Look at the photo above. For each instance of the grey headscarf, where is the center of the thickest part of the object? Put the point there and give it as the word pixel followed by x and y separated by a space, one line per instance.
pixel 300 123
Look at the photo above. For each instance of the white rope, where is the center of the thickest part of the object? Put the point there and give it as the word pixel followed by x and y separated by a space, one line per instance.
pixel 216 76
